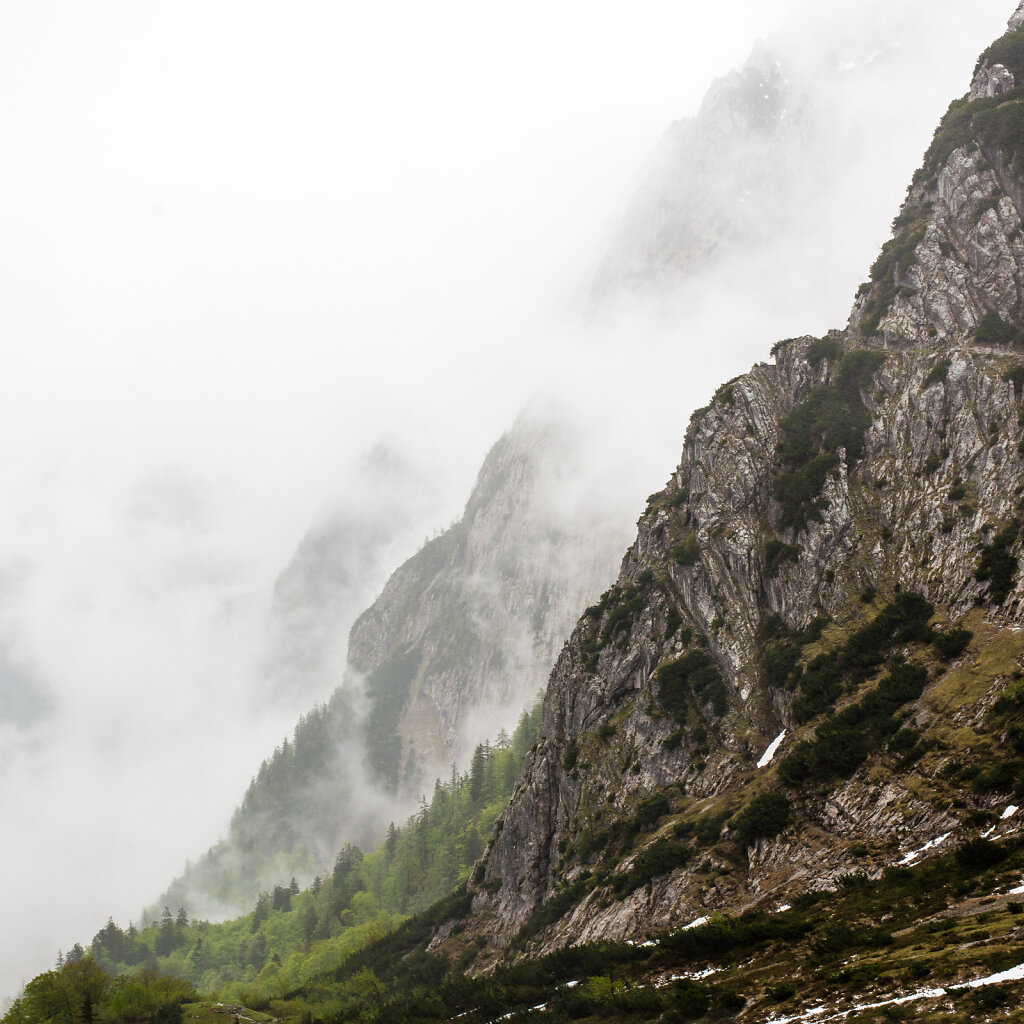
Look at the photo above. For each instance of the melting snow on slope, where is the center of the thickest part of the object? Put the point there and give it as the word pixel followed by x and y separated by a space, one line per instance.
pixel 767 756
pixel 695 924
pixel 815 1013
pixel 1009 812
pixel 915 854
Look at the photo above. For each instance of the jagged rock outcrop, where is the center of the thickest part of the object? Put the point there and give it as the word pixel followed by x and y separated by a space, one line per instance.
pixel 465 632
pixel 924 496
pixel 991 81
pixel 771 148
pixel 456 646
pixel 708 180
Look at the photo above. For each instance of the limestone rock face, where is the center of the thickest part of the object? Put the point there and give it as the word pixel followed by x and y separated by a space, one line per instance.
pixel 465 632
pixel 941 472
pixel 991 81
pixel 887 522
pixel 1017 18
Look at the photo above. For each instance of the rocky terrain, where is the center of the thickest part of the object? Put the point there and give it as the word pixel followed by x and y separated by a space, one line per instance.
pixel 861 492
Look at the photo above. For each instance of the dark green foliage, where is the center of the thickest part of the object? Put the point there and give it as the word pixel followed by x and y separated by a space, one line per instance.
pixel 775 553
pixel 553 908
pixel 997 566
pixel 994 330
pixel 904 620
pixel 896 257
pixel 694 677
pixel 1016 375
pixel 615 613
pixel 843 742
pixel 820 685
pixel 726 393
pixel 673 620
pixel 952 642
pixel 651 809
pixel 781 992
pixel 1008 50
pixel 763 818
pixel 998 778
pixel 857 368
pixel 689 1001
pixel 823 348
pixel 780 667
pixel 938 373
pixel 778 663
pixel 724 935
pixel 687 551
pixel 572 753
pixel 833 417
pixel 979 854
pixel 606 731
pixel 661 857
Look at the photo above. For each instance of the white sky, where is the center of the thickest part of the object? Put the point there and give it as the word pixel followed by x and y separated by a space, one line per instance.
pixel 239 242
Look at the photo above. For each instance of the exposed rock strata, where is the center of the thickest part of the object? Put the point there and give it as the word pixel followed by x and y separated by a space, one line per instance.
pixel 942 470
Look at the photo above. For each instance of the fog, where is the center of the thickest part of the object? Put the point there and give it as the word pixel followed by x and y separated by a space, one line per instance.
pixel 244 245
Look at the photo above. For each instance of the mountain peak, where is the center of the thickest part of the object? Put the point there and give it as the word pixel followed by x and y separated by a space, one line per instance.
pixel 1016 19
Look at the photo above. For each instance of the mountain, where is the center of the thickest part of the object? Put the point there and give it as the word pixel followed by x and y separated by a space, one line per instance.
pixel 779 761
pixel 457 644
pixel 808 666
pixel 756 184
pixel 340 566
pixel 465 631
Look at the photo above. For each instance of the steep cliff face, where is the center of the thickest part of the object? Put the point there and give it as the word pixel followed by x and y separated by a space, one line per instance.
pixel 466 631
pixel 776 146
pixel 457 645
pixel 833 565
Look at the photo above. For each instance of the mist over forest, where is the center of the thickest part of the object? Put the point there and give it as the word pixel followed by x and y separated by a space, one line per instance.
pixel 277 278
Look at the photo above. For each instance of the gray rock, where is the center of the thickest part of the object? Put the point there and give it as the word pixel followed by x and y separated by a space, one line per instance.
pixel 991 80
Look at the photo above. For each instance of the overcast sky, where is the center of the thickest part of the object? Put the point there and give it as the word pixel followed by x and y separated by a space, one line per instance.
pixel 241 242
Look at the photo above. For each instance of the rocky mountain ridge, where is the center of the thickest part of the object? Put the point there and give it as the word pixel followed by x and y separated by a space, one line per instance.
pixel 876 467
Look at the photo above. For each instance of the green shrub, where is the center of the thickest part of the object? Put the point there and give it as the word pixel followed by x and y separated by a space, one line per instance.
pixel 997 566
pixel 687 551
pixel 833 417
pixel 979 854
pixel 776 553
pixel 651 809
pixel 842 743
pixel 658 859
pixel 998 778
pixel 994 330
pixel 1016 375
pixel 763 818
pixel 952 642
pixel 693 677
pixel 781 992
pixel 938 373
pixel 823 348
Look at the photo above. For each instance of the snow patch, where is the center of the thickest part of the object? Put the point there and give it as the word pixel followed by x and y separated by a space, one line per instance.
pixel 815 1013
pixel 1009 812
pixel 916 854
pixel 695 924
pixel 767 756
